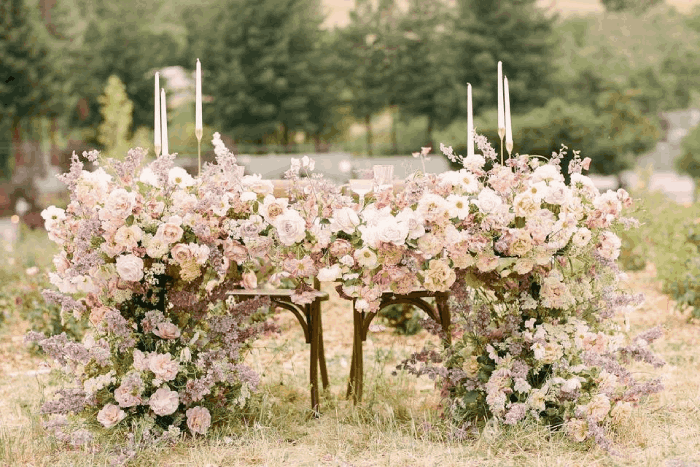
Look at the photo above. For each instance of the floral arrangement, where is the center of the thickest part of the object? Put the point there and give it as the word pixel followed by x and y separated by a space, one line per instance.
pixel 535 292
pixel 147 256
pixel 529 259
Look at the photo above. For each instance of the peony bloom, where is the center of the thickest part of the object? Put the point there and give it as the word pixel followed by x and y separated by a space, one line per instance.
pixel 390 230
pixel 130 268
pixel 291 227
pixel 163 366
pixel 179 176
pixel 164 401
pixel 198 420
pixel 110 415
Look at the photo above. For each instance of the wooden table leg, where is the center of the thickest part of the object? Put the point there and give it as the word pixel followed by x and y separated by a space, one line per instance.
pixel 313 366
pixel 321 351
pixel 356 367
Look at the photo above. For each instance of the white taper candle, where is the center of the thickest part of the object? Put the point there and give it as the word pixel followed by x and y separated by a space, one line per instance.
pixel 501 124
pixel 156 117
pixel 470 122
pixel 198 101
pixel 163 123
pixel 509 129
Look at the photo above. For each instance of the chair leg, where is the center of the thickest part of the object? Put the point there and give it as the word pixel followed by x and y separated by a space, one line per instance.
pixel 443 310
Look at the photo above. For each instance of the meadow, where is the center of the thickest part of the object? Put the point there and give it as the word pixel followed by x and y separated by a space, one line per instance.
pixel 398 423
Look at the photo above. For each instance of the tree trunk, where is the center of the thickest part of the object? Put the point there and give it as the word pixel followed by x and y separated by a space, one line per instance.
pixel 368 127
pixel 17 142
pixel 394 142
pixel 430 132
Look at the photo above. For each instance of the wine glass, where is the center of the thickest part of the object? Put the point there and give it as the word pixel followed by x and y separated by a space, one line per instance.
pixel 361 187
pixel 383 175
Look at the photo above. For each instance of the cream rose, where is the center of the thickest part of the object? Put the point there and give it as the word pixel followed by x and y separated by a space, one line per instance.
pixel 182 253
pixel 198 420
pixel 164 401
pixel 110 415
pixel 130 268
pixel 390 230
pixel 163 366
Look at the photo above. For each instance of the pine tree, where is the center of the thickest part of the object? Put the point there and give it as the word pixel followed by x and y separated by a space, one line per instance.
pixel 116 110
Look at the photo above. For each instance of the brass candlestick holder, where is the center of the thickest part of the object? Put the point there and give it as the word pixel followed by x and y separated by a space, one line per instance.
pixel 501 135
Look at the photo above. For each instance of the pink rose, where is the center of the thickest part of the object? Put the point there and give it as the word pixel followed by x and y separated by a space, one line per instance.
pixel 166 330
pixel 163 366
pixel 110 415
pixel 164 401
pixel 198 420
pixel 169 232
pixel 249 280
pixel 124 396
pixel 181 253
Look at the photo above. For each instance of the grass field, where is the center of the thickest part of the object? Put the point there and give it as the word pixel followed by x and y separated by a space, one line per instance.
pixel 398 423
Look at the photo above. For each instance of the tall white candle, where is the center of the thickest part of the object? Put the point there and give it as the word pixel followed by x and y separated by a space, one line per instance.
pixel 501 125
pixel 156 119
pixel 198 129
pixel 509 129
pixel 163 123
pixel 470 122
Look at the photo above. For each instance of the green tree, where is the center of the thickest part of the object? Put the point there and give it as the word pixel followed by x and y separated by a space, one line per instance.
pixel 689 161
pixel 367 52
pixel 25 85
pixel 259 61
pixel 425 82
pixel 515 32
pixel 638 6
pixel 116 110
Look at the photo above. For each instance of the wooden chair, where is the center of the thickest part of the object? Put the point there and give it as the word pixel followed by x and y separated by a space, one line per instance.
pixel 309 317
pixel 440 313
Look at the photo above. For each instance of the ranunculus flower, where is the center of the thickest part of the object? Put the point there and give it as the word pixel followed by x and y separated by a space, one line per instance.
pixel 163 366
pixel 345 219
pixel 130 268
pixel 166 330
pixel 110 415
pixel 164 401
pixel 291 227
pixel 198 420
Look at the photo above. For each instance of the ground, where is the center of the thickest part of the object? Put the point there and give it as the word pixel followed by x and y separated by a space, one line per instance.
pixel 398 423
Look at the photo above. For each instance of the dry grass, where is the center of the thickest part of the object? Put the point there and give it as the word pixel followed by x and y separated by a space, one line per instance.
pixel 398 424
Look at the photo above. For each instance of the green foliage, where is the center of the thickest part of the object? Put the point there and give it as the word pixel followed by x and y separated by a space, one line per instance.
pixel 116 110
pixel 689 161
pixel 404 318
pixel 638 6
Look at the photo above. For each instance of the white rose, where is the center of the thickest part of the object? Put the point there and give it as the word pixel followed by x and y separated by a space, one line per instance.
pixel 149 177
pixel 581 237
pixel 198 420
pixel 390 230
pixel 291 227
pixel 345 219
pixel 130 268
pixel 329 274
pixel 164 401
pixel 110 415
pixel 413 221
pixel 163 366
pixel 488 201
pixel 179 176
